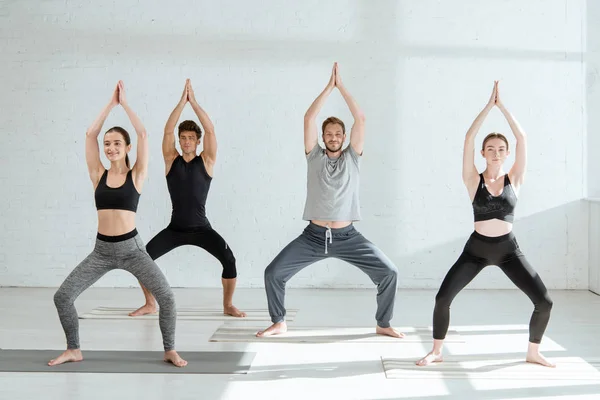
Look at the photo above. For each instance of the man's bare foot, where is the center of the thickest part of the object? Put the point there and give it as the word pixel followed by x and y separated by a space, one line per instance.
pixel 233 311
pixel 430 358
pixel 73 355
pixel 537 358
pixel 389 332
pixel 275 329
pixel 172 357
pixel 143 310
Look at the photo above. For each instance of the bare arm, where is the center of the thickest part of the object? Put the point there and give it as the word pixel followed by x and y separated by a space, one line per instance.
pixel 168 145
pixel 357 133
pixel 310 124
pixel 517 172
pixel 140 169
pixel 209 144
pixel 469 173
pixel 92 150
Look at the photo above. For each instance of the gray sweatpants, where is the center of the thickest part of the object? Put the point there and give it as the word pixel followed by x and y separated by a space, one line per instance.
pixel 129 255
pixel 317 243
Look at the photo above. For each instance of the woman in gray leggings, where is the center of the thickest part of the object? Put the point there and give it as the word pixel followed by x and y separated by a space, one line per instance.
pixel 117 192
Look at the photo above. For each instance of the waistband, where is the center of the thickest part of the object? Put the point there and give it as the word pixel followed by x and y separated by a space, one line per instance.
pixel 119 238
pixel 322 229
pixel 493 239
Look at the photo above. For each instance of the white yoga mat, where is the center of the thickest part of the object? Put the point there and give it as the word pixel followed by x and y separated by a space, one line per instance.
pixel 191 313
pixel 567 368
pixel 245 333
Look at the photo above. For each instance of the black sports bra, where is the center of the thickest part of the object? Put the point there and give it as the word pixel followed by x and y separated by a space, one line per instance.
pixel 486 206
pixel 125 197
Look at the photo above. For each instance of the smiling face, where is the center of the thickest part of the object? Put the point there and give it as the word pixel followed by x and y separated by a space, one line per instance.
pixel 333 137
pixel 115 146
pixel 495 149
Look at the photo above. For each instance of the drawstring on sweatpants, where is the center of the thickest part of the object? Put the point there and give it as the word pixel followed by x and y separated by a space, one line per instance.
pixel 328 235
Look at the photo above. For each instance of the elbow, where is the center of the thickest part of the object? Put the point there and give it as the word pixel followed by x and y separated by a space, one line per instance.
pixel 361 118
pixel 142 134
pixel 309 116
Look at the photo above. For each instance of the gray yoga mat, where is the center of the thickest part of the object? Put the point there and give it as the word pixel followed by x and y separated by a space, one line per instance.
pixel 128 362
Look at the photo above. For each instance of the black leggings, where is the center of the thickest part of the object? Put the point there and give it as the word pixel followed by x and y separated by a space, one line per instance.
pixel 206 238
pixel 504 252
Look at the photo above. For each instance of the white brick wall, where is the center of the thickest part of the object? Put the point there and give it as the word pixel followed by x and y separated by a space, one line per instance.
pixel 420 70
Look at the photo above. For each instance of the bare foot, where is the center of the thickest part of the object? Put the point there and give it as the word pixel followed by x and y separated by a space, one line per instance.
pixel 172 357
pixel 537 358
pixel 275 329
pixel 233 311
pixel 73 355
pixel 430 358
pixel 389 332
pixel 143 310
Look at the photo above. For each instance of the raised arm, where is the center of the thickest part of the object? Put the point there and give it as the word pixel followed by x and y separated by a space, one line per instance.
pixel 310 123
pixel 92 150
pixel 357 133
pixel 168 145
pixel 469 173
pixel 209 144
pixel 517 172
pixel 140 169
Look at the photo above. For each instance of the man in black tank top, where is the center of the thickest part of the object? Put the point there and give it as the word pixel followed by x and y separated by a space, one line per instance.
pixel 188 179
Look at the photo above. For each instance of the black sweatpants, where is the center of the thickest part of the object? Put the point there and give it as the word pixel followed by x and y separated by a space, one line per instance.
pixel 206 238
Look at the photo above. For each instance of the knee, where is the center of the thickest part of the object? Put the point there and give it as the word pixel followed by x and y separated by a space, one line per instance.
pixel 165 299
pixel 392 271
pixel 229 269
pixel 62 298
pixel 443 299
pixel 545 305
pixel 271 275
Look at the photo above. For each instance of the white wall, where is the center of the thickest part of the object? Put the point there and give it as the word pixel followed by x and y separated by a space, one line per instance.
pixel 420 70
pixel 593 140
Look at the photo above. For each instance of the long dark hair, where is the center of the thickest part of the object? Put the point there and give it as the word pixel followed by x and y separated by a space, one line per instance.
pixel 125 135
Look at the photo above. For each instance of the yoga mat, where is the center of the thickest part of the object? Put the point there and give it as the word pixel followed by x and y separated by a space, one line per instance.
pixel 192 313
pixel 567 368
pixel 244 333
pixel 128 362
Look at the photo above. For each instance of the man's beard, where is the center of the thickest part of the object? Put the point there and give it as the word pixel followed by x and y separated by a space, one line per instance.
pixel 333 149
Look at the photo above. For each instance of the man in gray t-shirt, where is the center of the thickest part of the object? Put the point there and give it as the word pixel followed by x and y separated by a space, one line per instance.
pixel 332 205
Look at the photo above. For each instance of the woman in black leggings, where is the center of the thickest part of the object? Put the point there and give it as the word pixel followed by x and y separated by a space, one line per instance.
pixel 494 196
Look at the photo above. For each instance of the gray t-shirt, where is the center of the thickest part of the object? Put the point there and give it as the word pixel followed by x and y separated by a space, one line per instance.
pixel 332 186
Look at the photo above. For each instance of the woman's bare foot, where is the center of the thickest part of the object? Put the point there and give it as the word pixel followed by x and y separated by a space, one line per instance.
pixel 143 310
pixel 432 357
pixel 172 357
pixel 233 311
pixel 389 332
pixel 73 355
pixel 537 358
pixel 275 329
pixel 534 356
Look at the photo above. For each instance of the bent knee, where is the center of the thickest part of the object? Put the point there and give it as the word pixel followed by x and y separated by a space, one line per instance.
pixel 545 305
pixel 165 298
pixel 62 298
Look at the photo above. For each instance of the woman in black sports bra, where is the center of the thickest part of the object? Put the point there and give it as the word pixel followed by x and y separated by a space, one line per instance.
pixel 494 196
pixel 118 245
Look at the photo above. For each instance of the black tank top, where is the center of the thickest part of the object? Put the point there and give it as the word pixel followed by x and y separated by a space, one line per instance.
pixel 188 184
pixel 124 197
pixel 486 206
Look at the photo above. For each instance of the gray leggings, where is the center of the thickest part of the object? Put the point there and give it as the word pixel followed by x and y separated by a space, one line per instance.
pixel 318 243
pixel 128 254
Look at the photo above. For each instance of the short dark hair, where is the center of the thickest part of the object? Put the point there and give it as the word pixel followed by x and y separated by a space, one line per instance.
pixel 333 120
pixel 190 126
